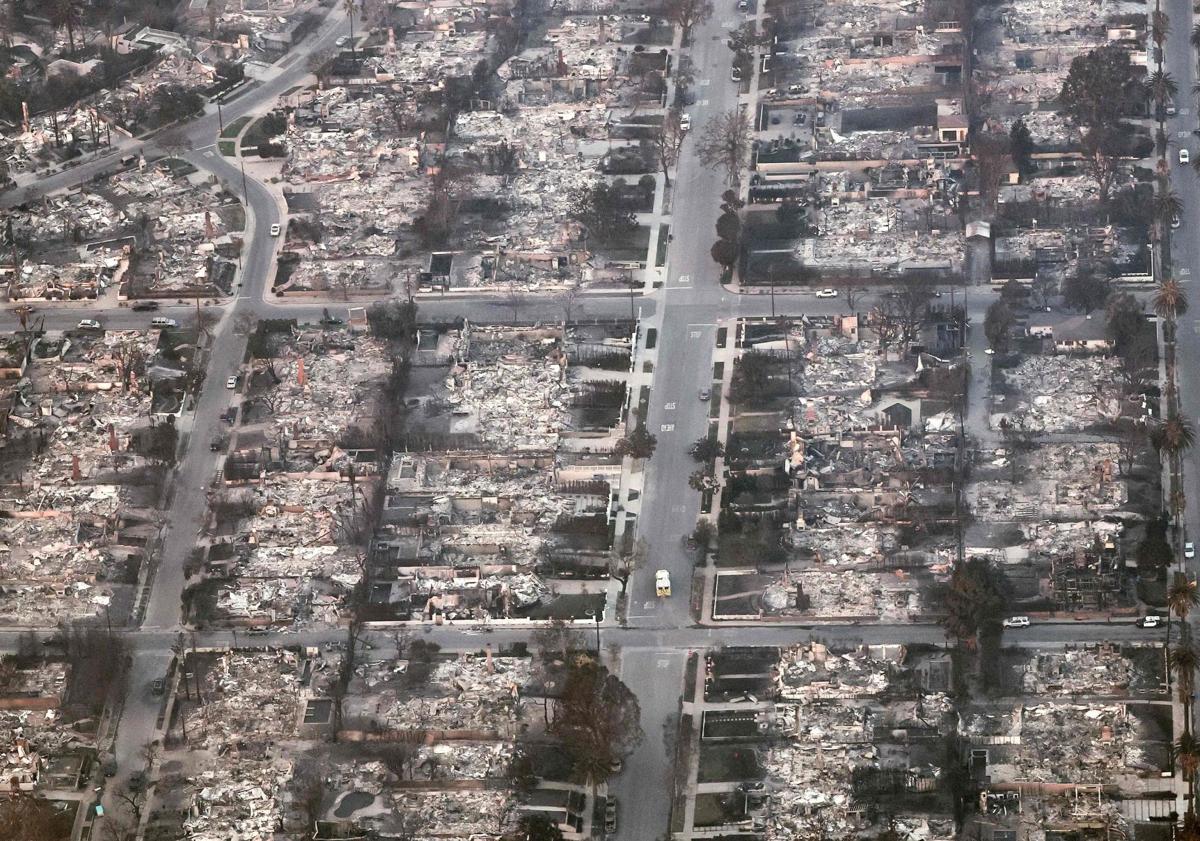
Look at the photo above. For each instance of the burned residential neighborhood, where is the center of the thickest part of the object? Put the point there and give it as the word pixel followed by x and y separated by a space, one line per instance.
pixel 527 420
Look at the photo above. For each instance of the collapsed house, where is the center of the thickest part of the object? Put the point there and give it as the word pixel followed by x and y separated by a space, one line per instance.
pixel 89 433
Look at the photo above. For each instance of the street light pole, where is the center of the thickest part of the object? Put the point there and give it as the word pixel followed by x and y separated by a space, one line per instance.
pixel 220 116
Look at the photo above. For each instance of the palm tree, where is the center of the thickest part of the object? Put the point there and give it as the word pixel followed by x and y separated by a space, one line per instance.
pixel 1177 435
pixel 1166 206
pixel 1160 28
pixel 1182 596
pixel 67 14
pixel 1183 661
pixel 1186 753
pixel 1161 86
pixel 348 5
pixel 1170 301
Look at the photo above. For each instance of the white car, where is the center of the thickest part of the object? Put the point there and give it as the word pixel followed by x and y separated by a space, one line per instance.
pixel 231 382
pixel 1149 621
pixel 275 230
pixel 662 583
pixel 1184 156
pixel 89 324
pixel 1189 550
pixel 826 293
pixel 685 122
pixel 1016 622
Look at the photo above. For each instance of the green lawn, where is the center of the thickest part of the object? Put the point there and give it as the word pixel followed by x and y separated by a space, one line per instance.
pixel 235 128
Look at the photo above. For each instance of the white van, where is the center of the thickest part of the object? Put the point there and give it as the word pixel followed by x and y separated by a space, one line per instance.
pixel 662 583
pixel 159 321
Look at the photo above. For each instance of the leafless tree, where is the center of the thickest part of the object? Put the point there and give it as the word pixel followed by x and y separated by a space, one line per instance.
pixel 318 63
pixel 854 291
pixel 725 143
pixel 174 142
pixel 669 142
pixel 992 163
pixel 567 299
pixel 688 14
pixel 622 565
pixel 886 325
pixel 308 788
pixel 131 362
pixel 1102 157
pixel 245 323
pixel 1043 290
pixel 207 320
pixel 514 298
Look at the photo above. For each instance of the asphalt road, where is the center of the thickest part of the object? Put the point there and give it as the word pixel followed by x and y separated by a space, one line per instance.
pixel 1185 245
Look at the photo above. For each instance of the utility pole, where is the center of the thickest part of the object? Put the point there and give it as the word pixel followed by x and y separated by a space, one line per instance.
pixel 771 281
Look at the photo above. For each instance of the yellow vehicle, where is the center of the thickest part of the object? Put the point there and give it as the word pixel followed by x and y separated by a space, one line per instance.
pixel 662 583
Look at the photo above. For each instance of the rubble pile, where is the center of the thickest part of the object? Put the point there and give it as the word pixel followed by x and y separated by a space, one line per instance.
pixel 883 233
pixel 844 593
pixel 508 395
pixel 841 543
pixel 835 365
pixel 247 698
pixel 1074 743
pixel 809 671
pixel 1098 670
pixel 149 224
pixel 463 760
pixel 322 393
pixel 243 798
pixel 471 693
pixel 453 814
pixel 28 738
pixel 77 407
pixel 1061 393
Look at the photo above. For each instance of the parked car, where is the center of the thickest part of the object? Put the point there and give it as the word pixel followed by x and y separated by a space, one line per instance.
pixel 232 382
pixel 159 321
pixel 275 230
pixel 1189 550
pixel 89 324
pixel 610 815
pixel 1184 156
pixel 145 306
pixel 1175 221
pixel 1149 621
pixel 705 394
pixel 827 293
pixel 159 686
pixel 735 74
pixel 1016 622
